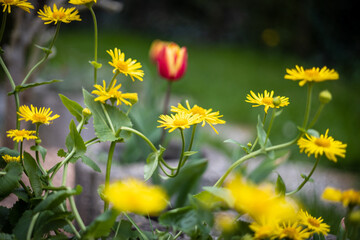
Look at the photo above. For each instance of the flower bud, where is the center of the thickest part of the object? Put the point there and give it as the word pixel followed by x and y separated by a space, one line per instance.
pixel 276 101
pixel 86 112
pixel 38 141
pixel 325 96
pixel 172 62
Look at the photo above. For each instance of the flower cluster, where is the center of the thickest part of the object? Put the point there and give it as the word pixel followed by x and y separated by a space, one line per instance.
pixel 348 197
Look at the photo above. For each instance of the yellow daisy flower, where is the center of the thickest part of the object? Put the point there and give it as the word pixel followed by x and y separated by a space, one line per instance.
pixel 81 2
pixel 23 4
pixel 322 145
pixel 311 75
pixel 20 135
pixel 113 94
pixel 180 120
pixel 267 100
pixel 7 158
pixel 205 115
pixel 65 15
pixel 135 196
pixel 37 116
pixel 129 67
pixel 315 225
pixel 263 230
pixel 331 194
pixel 291 231
pixel 347 197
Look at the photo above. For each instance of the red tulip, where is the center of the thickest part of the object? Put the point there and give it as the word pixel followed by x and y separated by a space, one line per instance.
pixel 155 49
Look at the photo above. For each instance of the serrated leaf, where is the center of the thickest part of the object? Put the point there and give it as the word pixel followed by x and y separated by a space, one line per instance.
pixel 75 141
pixel 74 108
pixel 41 150
pixel 152 162
pixel 280 187
pixel 108 120
pixel 23 87
pixel 10 180
pixel 101 226
pixel 34 173
pixel 88 161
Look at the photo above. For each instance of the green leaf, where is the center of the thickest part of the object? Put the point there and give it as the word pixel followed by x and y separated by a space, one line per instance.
pixel 101 226
pixel 189 153
pixel 222 194
pixel 61 153
pixel 152 162
pixel 4 236
pixel 49 221
pixel 95 64
pixel 17 211
pixel 40 149
pixel 21 88
pixel 108 120
pixel 278 112
pixel 4 213
pixel 22 225
pixel 262 134
pixel 280 187
pixel 54 199
pixel 34 173
pixel 88 161
pixel 75 141
pixel 74 108
pixel 10 180
pixel 313 132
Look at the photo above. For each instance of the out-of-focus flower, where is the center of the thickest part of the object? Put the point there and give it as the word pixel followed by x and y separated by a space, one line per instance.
pixel 113 94
pixel 292 231
pixel 65 15
pixel 35 115
pixel 180 120
pixel 20 135
pixel 81 2
pixel 7 158
pixel 135 196
pixel 314 225
pixel 322 145
pixel 311 75
pixel 172 62
pixel 205 115
pixel 129 67
pixel 155 49
pixel 23 4
pixel 348 197
pixel 266 100
pixel 264 230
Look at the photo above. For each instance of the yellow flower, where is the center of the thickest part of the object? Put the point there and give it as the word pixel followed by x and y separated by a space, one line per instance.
pixel 135 196
pixel 81 2
pixel 311 75
pixel 129 67
pixel 315 225
pixel 292 232
pixel 23 4
pixel 347 197
pixel 267 100
pixel 37 116
pixel 7 158
pixel 113 94
pixel 263 230
pixel 205 115
pixel 331 194
pixel 20 135
pixel 65 15
pixel 323 144
pixel 225 222
pixel 180 120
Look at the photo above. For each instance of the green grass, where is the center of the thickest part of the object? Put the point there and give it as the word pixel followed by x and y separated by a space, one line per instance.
pixel 220 77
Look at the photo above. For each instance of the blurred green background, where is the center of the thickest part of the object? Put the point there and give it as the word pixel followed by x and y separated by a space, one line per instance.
pixel 233 47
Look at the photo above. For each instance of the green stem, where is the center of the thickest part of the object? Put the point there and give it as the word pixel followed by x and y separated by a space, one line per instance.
pixel 112 80
pixel 7 73
pixel 3 24
pixel 270 125
pixel 308 105
pixel 46 54
pixel 95 41
pixel 317 115
pixel 136 226
pixel 31 226
pixel 68 157
pixel 108 118
pixel 63 182
pixel 52 188
pixel 25 187
pixel 140 135
pixel 306 179
pixel 77 234
pixel 91 140
pixel 117 228
pixel 257 137
pixel 108 170
pixel 3 173
pixel 177 235
pixel 37 152
pixel 191 141
pixel 76 213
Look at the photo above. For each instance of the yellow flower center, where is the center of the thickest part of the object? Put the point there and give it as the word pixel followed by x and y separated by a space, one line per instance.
pixel 267 100
pixel 313 222
pixel 311 74
pixel 322 142
pixel 58 15
pixel 21 133
pixel 122 66
pixel 39 118
pixel 180 122
pixel 198 110
pixel 290 233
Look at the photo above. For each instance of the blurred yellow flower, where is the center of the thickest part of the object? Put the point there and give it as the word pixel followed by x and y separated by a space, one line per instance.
pixel 322 145
pixel 81 2
pixel 180 120
pixel 291 231
pixel 311 75
pixel 266 100
pixel 7 158
pixel 135 196
pixel 348 197
pixel 37 116
pixel 20 135
pixel 263 230
pixel 129 67
pixel 225 222
pixel 113 94
pixel 314 225
pixel 23 4
pixel 65 15
pixel 331 194
pixel 205 115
